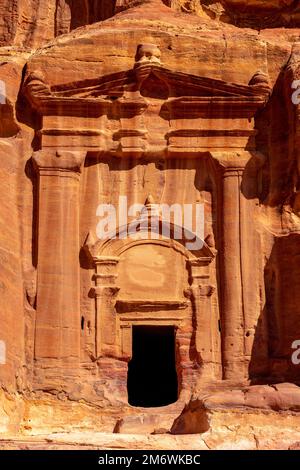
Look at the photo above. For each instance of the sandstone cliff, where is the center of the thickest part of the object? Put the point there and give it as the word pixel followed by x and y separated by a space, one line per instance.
pixel 71 93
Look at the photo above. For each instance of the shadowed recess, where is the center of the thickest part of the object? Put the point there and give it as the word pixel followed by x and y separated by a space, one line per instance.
pixel 152 378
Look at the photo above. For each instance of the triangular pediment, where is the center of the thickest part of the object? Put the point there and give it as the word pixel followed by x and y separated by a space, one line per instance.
pixel 127 86
pixel 115 85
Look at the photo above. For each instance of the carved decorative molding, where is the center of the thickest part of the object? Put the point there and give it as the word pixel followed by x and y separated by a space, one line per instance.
pixel 199 269
pixel 148 53
pixel 116 246
pixel 231 162
pixel 107 114
pixel 108 291
pixel 124 306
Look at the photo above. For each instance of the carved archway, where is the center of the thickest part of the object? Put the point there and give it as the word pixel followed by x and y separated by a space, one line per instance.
pixel 179 277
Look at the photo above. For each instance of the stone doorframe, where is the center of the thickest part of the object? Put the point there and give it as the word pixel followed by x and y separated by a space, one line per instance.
pixel 190 315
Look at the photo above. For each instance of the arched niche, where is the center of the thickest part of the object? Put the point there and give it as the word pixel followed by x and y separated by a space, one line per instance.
pixel 150 254
pixel 150 281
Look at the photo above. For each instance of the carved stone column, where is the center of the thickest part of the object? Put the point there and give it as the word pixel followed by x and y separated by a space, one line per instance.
pixel 239 274
pixel 105 292
pixel 201 292
pixel 57 335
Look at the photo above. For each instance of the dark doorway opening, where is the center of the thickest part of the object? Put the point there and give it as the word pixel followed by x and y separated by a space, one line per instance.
pixel 152 377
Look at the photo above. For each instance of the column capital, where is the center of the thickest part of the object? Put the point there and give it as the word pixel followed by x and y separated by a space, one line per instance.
pixel 235 162
pixel 202 290
pixel 206 290
pixel 59 161
pixel 106 270
pixel 109 291
pixel 199 270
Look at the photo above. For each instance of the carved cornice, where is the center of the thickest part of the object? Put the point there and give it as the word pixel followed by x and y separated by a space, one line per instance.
pixel 124 306
pixel 119 93
pixel 106 260
pixel 80 114
pixel 116 245
pixel 203 261
pixel 213 106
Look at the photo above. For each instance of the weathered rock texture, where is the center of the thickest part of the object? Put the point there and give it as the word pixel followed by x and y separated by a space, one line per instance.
pixel 165 102
pixel 30 23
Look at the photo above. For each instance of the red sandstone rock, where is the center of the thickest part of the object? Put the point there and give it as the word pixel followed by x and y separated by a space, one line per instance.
pixel 162 102
pixel 31 23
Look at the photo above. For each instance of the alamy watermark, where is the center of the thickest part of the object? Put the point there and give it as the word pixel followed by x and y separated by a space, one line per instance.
pixel 295 357
pixel 2 92
pixel 2 343
pixel 296 354
pixel 296 93
pixel 183 222
pixel 2 352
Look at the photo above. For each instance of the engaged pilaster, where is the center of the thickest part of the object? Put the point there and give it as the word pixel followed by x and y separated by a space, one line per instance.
pixel 105 292
pixel 201 293
pixel 57 340
pixel 239 271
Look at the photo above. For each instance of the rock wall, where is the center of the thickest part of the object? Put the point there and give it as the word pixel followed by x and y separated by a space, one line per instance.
pixel 15 146
pixel 31 23
pixel 89 95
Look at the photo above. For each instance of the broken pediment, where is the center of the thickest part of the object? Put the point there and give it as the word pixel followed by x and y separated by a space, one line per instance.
pixel 148 78
pixel 147 109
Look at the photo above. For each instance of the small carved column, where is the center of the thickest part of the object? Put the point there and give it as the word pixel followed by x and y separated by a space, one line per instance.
pixel 201 292
pixel 57 340
pixel 105 292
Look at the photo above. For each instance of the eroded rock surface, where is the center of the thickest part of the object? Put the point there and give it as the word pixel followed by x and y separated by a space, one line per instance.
pixel 164 102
